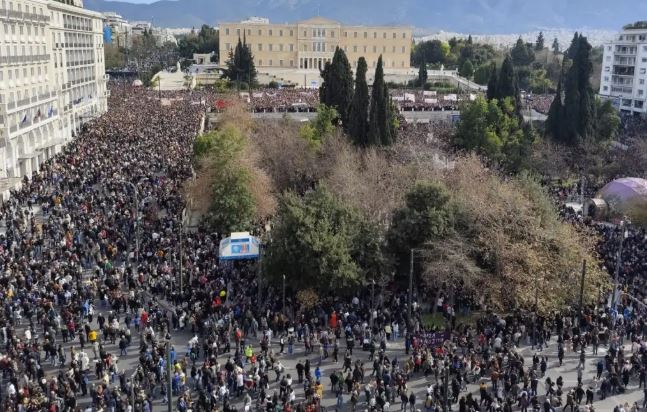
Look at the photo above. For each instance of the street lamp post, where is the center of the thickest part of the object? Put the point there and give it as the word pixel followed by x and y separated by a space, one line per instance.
pixel 617 272
pixel 372 303
pixel 409 302
pixel 181 264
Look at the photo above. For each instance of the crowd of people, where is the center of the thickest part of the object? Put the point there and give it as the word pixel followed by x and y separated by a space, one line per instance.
pixel 101 279
pixel 283 100
pixel 539 102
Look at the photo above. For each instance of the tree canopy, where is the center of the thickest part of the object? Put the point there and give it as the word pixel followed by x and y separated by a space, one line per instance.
pixel 318 242
pixel 358 114
pixel 381 130
pixel 240 65
pixel 337 87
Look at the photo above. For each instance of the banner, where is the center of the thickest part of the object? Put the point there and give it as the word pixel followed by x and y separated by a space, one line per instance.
pixel 429 93
pixel 410 97
pixel 432 101
pixel 433 339
pixel 240 245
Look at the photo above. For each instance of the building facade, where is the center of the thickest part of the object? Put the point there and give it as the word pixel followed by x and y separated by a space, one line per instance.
pixel 51 79
pixel 309 44
pixel 624 70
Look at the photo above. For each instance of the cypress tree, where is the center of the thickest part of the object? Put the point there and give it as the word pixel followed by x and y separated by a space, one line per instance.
pixel 379 125
pixel 422 73
pixel 337 87
pixel 572 50
pixel 492 83
pixel 539 44
pixel 506 82
pixel 358 114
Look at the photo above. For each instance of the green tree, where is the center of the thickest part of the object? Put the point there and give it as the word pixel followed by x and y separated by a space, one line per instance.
pixel 322 126
pixel 607 122
pixel 522 55
pixel 380 124
pixel 422 73
pixel 426 216
pixel 114 57
pixel 493 128
pixel 467 69
pixel 358 116
pixel 240 65
pixel 337 87
pixel 482 74
pixel 555 46
pixel 320 243
pixel 432 52
pixel 507 81
pixel 539 44
pixel 492 84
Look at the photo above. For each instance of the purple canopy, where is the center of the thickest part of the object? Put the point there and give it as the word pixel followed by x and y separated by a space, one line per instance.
pixel 624 190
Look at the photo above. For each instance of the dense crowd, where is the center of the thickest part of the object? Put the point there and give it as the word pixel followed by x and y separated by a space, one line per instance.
pixel 632 127
pixel 284 100
pixel 92 276
pixel 539 102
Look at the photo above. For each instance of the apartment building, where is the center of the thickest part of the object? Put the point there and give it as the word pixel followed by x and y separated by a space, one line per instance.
pixel 309 44
pixel 624 70
pixel 51 79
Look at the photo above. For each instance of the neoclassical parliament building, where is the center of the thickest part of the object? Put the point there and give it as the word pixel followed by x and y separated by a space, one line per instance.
pixel 309 44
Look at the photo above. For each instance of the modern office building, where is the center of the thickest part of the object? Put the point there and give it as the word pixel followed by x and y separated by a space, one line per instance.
pixel 309 44
pixel 51 79
pixel 624 70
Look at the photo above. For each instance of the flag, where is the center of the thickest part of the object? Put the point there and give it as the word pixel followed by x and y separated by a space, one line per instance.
pixel 50 112
pixel 37 115
pixel 24 119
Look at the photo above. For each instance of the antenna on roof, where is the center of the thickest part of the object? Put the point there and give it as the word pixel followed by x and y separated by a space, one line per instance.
pixel 318 6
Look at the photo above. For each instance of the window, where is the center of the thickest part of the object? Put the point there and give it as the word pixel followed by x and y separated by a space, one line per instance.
pixel 323 32
pixel 641 81
pixel 260 62
pixel 260 32
pixel 270 62
pixel 403 49
pixel 642 71
pixel 249 32
pixel 332 34
pixel 280 33
pixel 227 46
pixel 383 49
pixel 638 104
pixel 605 88
pixel 640 92
pixel 395 35
pixel 292 47
pixel 355 35
pixel 269 33
pixel 365 35
pixel 227 31
pixel 305 33
pixel 606 78
pixel 384 35
pixel 314 33
pixel 238 32
pixel 644 59
pixel 260 47
pixel 291 63
pixel 270 46
pixel 607 69
pixel 355 49
pixel 345 34
pixel 291 33
pixel 375 35
pixel 364 49
pixel 404 35
pixel 281 47
pixel 281 63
